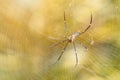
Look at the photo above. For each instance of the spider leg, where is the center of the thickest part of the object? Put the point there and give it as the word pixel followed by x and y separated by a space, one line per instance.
pixel 75 54
pixel 85 47
pixel 58 43
pixel 82 44
pixel 88 25
pixel 62 51
pixel 65 24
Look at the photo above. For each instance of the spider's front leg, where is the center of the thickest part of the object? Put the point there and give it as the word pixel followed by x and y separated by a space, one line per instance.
pixel 66 25
pixel 88 25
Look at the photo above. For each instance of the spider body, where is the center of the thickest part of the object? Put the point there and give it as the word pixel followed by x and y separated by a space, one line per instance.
pixel 72 37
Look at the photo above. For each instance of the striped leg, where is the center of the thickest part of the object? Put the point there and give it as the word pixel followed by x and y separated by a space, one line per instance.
pixel 75 54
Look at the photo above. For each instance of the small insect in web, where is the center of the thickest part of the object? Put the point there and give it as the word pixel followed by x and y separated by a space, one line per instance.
pixel 71 39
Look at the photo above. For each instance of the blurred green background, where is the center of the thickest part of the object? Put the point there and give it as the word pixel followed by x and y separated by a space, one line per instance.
pixel 29 27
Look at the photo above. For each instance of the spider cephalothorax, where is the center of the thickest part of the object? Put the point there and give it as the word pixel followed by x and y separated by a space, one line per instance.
pixel 73 37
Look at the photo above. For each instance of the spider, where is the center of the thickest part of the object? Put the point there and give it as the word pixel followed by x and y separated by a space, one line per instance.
pixel 71 39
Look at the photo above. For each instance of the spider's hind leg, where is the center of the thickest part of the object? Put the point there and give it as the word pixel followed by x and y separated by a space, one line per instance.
pixel 75 54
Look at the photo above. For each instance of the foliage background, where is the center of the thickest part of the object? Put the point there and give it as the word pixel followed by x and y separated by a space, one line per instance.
pixel 29 27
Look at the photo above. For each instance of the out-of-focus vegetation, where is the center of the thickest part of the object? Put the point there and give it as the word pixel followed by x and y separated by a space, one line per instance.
pixel 29 27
